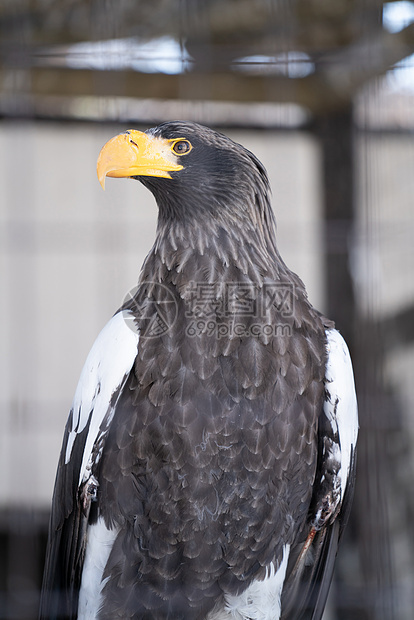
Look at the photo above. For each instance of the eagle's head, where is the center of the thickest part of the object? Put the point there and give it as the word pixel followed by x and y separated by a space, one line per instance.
pixel 193 172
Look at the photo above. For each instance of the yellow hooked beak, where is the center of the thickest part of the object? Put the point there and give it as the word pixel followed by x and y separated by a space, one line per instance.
pixel 135 153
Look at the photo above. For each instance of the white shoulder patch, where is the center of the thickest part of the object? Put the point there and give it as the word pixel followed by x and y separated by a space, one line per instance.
pixel 105 371
pixel 341 404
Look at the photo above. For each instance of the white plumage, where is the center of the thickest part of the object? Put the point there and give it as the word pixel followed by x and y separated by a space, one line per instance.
pixel 99 545
pixel 341 407
pixel 105 371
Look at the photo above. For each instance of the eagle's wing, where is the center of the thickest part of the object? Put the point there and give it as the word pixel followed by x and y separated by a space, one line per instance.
pixel 311 564
pixel 102 380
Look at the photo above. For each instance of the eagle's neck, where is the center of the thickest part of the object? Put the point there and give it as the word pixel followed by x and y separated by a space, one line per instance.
pixel 233 222
pixel 212 253
pixel 220 272
pixel 236 239
pixel 220 275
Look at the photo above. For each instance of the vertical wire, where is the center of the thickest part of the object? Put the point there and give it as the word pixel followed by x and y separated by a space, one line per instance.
pixel 377 562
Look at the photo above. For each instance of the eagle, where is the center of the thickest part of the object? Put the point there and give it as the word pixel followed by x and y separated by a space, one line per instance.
pixel 208 461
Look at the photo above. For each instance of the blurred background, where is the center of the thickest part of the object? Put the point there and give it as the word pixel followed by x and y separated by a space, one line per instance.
pixel 323 92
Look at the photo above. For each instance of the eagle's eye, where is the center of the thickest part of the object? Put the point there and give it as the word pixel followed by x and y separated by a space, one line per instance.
pixel 181 147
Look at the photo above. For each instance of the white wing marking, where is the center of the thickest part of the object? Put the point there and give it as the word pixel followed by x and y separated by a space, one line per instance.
pixel 341 404
pixel 260 601
pixel 99 544
pixel 105 371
